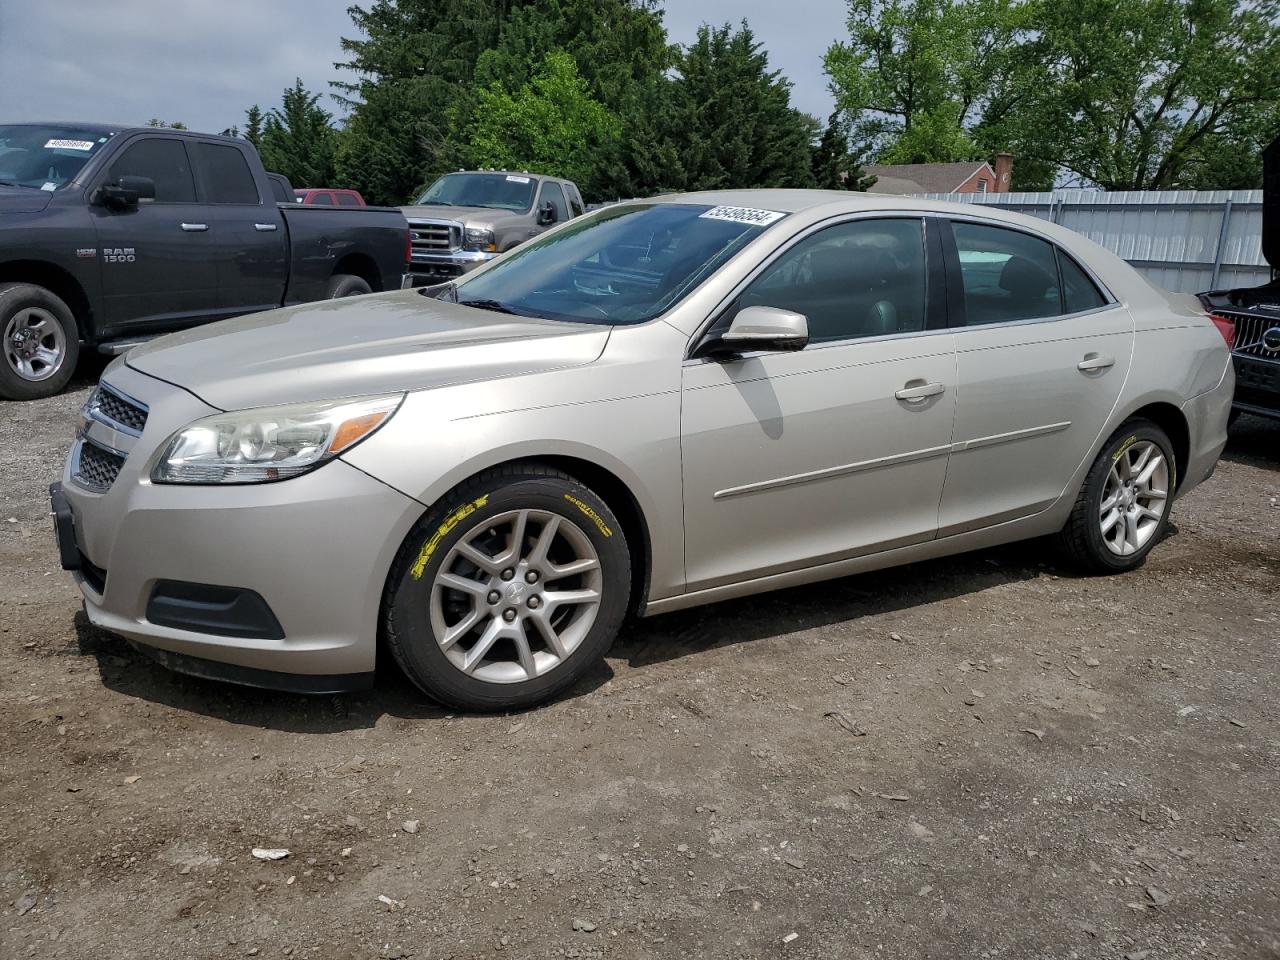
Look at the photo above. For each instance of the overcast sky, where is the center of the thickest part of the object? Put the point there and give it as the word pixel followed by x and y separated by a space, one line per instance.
pixel 204 61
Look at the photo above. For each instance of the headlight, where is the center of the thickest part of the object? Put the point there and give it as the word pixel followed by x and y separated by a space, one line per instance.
pixel 269 443
pixel 479 239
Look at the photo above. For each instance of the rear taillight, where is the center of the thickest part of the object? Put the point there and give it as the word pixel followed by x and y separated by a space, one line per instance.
pixel 408 246
pixel 1226 327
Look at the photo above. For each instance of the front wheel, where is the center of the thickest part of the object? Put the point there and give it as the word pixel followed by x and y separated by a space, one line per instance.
pixel 40 345
pixel 508 590
pixel 1123 507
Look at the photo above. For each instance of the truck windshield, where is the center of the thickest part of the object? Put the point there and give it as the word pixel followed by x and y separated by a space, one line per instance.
pixel 501 191
pixel 620 265
pixel 45 157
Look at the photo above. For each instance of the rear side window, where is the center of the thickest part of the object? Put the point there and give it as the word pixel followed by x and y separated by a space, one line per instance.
pixel 1007 275
pixel 1078 292
pixel 347 200
pixel 164 162
pixel 322 199
pixel 225 175
pixel 551 193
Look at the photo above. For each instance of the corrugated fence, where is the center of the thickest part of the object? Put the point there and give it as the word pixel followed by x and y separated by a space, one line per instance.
pixel 1183 240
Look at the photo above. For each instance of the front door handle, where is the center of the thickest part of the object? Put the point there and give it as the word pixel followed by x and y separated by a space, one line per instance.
pixel 1093 361
pixel 920 392
pixel 264 227
pixel 195 227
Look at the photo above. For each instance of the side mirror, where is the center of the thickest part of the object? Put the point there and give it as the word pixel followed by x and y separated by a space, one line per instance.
pixel 126 192
pixel 546 214
pixel 762 328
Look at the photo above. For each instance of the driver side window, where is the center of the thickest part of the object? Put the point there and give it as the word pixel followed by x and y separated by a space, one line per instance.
pixel 864 278
pixel 553 194
pixel 164 162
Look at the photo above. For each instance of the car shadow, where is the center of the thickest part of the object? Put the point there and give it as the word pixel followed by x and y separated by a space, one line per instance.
pixel 1254 441
pixel 132 673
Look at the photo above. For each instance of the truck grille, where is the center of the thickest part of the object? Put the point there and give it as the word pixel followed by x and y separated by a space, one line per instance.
pixel 97 467
pixel 435 236
pixel 117 410
pixel 1249 330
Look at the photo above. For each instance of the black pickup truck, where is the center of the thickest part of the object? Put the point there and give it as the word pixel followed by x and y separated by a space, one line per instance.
pixel 1251 315
pixel 110 235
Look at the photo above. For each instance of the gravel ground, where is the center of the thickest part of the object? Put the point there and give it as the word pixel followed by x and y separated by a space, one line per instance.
pixel 977 757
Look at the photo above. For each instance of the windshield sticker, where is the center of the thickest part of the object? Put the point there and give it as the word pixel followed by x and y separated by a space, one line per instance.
pixel 517 179
pixel 759 218
pixel 69 145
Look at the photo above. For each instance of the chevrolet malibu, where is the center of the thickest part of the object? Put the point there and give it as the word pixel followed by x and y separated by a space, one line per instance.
pixel 662 404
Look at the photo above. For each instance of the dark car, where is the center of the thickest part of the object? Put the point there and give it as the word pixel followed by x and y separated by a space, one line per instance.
pixel 111 235
pixel 1250 316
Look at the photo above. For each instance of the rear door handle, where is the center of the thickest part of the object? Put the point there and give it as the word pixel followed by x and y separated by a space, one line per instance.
pixel 921 392
pixel 264 227
pixel 195 227
pixel 1093 362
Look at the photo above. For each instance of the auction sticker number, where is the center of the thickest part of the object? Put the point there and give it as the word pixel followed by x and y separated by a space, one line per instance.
pixel 69 145
pixel 750 215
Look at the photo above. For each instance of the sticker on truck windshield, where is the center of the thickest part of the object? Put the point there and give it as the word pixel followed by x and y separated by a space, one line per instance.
pixel 69 145
pixel 759 218
pixel 517 179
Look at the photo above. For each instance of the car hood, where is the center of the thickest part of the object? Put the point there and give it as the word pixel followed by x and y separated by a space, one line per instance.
pixel 486 216
pixel 383 343
pixel 23 200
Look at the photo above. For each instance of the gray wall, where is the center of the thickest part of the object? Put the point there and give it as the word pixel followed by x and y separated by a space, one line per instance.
pixel 1182 240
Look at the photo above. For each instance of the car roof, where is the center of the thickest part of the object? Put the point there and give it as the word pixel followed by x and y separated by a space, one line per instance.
pixel 112 129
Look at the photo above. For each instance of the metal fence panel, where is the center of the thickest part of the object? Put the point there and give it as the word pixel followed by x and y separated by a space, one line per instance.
pixel 1182 240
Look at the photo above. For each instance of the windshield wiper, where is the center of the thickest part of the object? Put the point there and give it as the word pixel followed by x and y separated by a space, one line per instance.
pixel 11 183
pixel 497 306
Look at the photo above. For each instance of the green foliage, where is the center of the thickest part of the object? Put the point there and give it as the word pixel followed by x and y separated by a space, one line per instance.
pixel 730 117
pixel 253 125
pixel 551 125
pixel 164 124
pixel 298 140
pixel 834 167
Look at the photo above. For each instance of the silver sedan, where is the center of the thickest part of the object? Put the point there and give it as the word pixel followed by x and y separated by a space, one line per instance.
pixel 662 404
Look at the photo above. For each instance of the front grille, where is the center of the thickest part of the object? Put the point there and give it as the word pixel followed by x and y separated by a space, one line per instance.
pixel 435 236
pixel 117 410
pixel 97 467
pixel 1249 330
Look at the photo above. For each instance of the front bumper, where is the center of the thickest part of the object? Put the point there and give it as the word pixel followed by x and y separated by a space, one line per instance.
pixel 1257 385
pixel 314 550
pixel 428 268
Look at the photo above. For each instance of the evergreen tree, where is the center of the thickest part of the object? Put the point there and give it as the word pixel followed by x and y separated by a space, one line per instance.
pixel 253 125
pixel 834 167
pixel 734 123
pixel 298 140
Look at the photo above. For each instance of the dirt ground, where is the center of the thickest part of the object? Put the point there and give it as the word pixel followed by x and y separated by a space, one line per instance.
pixel 978 757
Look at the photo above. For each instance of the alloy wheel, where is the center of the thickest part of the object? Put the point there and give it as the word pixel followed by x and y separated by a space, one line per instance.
pixel 1134 498
pixel 516 595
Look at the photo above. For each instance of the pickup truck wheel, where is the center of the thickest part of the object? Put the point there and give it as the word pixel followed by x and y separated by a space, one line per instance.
pixel 40 342
pixel 507 591
pixel 346 285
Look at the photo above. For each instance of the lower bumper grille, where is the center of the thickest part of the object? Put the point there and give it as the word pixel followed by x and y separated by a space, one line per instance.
pixel 97 467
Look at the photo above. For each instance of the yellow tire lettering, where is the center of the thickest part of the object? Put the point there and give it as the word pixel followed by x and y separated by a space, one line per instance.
pixel 591 515
pixel 424 555
pixel 1123 447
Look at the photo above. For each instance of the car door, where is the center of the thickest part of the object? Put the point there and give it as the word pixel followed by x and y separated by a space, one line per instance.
pixel 247 229
pixel 797 459
pixel 156 257
pixel 1042 352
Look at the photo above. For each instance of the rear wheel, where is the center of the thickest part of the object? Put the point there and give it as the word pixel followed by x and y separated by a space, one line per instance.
pixel 1123 508
pixel 346 285
pixel 508 591
pixel 40 342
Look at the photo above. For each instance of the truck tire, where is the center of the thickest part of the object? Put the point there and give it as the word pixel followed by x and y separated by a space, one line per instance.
pixel 39 341
pixel 508 590
pixel 346 285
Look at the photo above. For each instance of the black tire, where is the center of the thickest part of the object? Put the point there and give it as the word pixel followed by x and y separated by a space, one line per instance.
pixel 15 298
pixel 1232 417
pixel 406 603
pixel 346 285
pixel 1081 540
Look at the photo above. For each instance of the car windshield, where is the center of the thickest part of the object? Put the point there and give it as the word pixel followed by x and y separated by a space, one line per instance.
pixel 45 157
pixel 620 265
pixel 501 191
